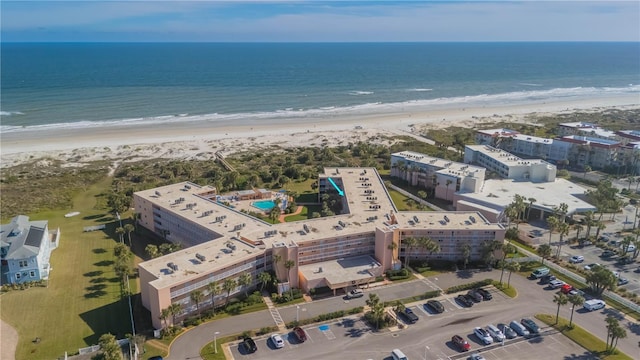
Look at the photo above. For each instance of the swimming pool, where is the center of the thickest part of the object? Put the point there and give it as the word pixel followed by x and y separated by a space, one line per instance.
pixel 264 205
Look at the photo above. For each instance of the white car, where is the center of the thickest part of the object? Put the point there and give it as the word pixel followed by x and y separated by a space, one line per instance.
pixel 630 248
pixel 355 293
pixel 495 333
pixel 576 259
pixel 591 266
pixel 277 341
pixel 483 335
pixel 555 284
pixel 592 305
pixel 476 356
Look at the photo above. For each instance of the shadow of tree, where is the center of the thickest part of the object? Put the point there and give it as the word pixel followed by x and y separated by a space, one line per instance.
pixel 94 217
pixel 634 328
pixel 356 332
pixel 93 273
pixel 104 263
pixel 536 339
pixel 95 287
pixel 613 312
pixel 99 251
pixel 583 356
pixel 95 294
pixel 98 280
pixel 464 274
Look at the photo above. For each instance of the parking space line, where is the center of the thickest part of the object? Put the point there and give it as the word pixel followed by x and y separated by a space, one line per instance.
pixel 329 334
pixel 424 310
pixel 453 302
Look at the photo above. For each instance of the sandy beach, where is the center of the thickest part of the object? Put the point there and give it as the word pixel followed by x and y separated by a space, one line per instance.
pixel 201 139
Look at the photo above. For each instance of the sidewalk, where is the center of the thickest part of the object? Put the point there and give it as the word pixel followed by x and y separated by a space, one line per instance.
pixel 275 314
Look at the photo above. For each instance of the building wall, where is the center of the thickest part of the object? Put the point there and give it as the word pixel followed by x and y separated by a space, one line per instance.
pixel 32 268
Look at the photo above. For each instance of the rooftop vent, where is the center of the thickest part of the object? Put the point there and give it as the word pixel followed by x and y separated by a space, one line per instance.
pixel 201 257
pixel 172 266
pixel 446 218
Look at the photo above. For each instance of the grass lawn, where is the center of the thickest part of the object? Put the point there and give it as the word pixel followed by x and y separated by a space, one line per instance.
pixel 209 353
pixel 300 187
pixel 305 214
pixel 582 337
pixel 82 300
pixel 509 291
pixel 402 202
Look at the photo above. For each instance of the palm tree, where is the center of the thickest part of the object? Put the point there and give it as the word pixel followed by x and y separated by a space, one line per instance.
pixel 214 290
pixel 393 247
pixel 578 228
pixel 506 250
pixel 531 202
pixel 152 251
pixel 398 309
pixel 244 281
pixel 511 267
pixel 289 264
pixel 276 259
pixel 264 278
pixel 552 223
pixel 175 309
pixel 377 308
pixel 544 250
pixel 129 228
pixel 449 182
pixel 466 253
pixel 228 286
pixel 164 314
pixel 563 229
pixel 429 245
pixel 120 232
pixel 197 296
pixel 575 300
pixel 409 243
pixel 560 299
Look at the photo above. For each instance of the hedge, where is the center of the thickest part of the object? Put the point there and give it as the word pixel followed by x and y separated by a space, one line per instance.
pixel 325 317
pixel 469 286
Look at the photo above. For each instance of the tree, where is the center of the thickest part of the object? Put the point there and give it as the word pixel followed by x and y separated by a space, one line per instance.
pixel 449 182
pixel 214 290
pixel 409 243
pixel 228 286
pixel 506 250
pixel 129 228
pixel 575 300
pixel 586 170
pixel 398 308
pixel 377 309
pixel 152 251
pixel 428 245
pixel 120 232
pixel 466 253
pixel 563 230
pixel 614 332
pixel 197 296
pixel 244 281
pixel 511 267
pixel 175 309
pixel 552 223
pixel 544 250
pixel 560 299
pixel 600 279
pixel 276 259
pixel 531 202
pixel 264 278
pixel 578 228
pixel 121 251
pixel 393 246
pixel 109 347
pixel 164 314
pixel 422 194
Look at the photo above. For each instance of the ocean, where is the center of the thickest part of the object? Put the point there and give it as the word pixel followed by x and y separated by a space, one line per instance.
pixel 45 85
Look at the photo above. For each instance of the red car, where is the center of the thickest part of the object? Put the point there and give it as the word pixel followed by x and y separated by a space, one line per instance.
pixel 566 288
pixel 461 343
pixel 300 334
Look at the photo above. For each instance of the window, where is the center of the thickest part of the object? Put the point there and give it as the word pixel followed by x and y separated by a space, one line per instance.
pixel 23 263
pixel 32 273
pixel 18 276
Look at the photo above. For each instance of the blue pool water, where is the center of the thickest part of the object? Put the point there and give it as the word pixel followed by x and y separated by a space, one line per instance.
pixel 264 205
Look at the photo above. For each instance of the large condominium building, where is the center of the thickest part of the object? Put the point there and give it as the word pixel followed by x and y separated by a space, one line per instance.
pixel 585 129
pixel 445 177
pixel 596 152
pixel 338 252
pixel 509 166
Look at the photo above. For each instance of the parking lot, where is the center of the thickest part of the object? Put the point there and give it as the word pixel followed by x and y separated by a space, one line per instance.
pixel 429 338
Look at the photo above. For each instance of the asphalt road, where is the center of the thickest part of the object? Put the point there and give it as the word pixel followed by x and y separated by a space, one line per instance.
pixel 532 299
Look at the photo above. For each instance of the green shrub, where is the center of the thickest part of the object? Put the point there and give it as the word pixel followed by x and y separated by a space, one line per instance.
pixel 469 286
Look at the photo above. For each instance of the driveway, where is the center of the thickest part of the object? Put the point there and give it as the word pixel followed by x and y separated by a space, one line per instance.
pixel 8 340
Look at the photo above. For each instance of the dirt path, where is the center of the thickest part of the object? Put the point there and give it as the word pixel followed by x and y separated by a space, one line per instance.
pixel 8 340
pixel 282 216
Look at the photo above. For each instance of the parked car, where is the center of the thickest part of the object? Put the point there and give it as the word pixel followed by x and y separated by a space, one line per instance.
pixel 486 295
pixel 622 281
pixel 155 358
pixel 576 259
pixel 555 284
pixel 495 333
pixel 483 335
pixel 435 306
pixel 476 356
pixel 540 272
pixel 475 295
pixel 249 345
pixel 464 301
pixel 469 297
pixel 592 305
pixel 462 344
pixel 546 279
pixel 566 288
pixel 530 325
pixel 591 266
pixel 507 331
pixel 300 334
pixel 355 293
pixel 607 254
pixel 624 260
pixel 630 247
pixel 409 315
pixel 277 341
pixel 518 328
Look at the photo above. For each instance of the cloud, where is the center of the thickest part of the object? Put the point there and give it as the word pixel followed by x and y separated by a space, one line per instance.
pixel 331 21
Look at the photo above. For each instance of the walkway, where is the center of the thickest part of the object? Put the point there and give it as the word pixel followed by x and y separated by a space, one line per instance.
pixel 8 340
pixel 275 314
pixel 283 216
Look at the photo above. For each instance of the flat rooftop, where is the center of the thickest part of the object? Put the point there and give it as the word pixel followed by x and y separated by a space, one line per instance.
pixel 498 132
pixel 591 140
pixel 504 157
pixel 501 192
pixel 533 139
pixel 340 271
pixel 590 127
pixel 446 166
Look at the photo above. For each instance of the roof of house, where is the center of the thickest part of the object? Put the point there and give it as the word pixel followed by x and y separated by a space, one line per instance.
pixel 23 237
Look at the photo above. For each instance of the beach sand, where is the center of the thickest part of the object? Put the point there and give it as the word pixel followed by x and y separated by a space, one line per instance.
pixel 202 139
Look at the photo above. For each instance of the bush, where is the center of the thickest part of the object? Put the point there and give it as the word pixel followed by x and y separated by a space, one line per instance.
pixel 325 317
pixel 192 321
pixel 288 296
pixel 469 286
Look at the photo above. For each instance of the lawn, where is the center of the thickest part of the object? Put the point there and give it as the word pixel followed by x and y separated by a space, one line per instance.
pixel 402 202
pixel 82 300
pixel 582 337
pixel 305 214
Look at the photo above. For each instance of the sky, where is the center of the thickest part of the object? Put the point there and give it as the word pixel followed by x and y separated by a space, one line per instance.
pixel 318 21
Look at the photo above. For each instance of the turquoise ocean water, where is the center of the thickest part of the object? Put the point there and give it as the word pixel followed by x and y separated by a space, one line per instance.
pixel 87 84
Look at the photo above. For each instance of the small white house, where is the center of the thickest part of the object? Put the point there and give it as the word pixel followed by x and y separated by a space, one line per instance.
pixel 25 249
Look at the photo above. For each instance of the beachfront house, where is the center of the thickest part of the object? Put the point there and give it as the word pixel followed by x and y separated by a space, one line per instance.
pixel 25 249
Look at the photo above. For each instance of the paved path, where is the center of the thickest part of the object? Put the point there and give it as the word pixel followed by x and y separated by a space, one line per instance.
pixel 282 216
pixel 8 340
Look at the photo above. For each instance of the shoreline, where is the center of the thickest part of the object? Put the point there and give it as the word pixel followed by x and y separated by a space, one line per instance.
pixel 201 139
